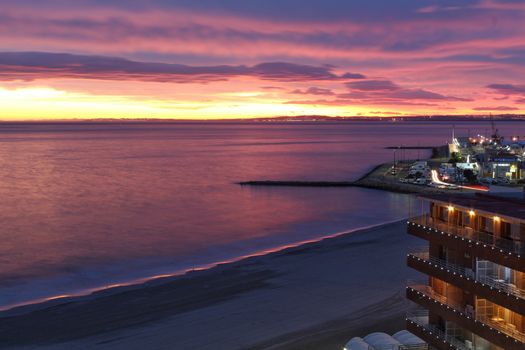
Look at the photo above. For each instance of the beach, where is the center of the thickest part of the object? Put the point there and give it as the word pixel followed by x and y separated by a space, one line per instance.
pixel 316 294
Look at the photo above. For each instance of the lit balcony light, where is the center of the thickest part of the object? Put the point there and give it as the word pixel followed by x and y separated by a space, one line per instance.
pixel 472 213
pixel 450 208
pixel 496 218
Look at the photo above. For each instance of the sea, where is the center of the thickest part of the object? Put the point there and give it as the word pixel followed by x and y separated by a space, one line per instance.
pixel 89 205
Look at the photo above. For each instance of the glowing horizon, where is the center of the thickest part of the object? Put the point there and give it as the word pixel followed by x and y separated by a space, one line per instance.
pixel 244 60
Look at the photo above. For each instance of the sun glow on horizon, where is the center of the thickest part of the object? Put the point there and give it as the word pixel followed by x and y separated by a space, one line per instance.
pixel 49 103
pixel 73 99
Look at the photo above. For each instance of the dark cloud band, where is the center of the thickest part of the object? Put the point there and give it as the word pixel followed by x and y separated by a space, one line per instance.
pixel 40 65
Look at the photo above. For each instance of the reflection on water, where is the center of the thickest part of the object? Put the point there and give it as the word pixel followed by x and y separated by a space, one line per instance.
pixel 91 204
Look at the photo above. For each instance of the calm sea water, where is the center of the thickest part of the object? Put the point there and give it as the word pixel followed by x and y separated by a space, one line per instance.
pixel 87 205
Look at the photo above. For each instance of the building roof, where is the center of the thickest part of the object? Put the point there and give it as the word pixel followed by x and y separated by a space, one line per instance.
pixel 507 204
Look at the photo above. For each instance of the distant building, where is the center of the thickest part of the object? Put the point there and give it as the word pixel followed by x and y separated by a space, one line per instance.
pixel 474 296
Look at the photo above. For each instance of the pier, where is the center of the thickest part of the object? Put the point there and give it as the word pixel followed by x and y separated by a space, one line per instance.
pixel 378 178
pixel 300 183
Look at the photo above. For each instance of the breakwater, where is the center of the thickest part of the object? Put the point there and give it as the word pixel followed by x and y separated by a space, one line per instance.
pixel 379 177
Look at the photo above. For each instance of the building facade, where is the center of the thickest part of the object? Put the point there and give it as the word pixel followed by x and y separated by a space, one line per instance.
pixel 473 295
pixel 508 166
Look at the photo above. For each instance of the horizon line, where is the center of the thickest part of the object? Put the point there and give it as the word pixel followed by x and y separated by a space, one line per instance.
pixel 273 118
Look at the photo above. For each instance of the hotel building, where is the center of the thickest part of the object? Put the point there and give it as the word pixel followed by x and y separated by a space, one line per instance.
pixel 474 294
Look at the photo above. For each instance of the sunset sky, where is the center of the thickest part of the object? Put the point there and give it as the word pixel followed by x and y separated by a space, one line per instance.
pixel 211 59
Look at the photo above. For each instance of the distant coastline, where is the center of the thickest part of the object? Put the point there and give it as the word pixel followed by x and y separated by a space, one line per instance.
pixel 282 119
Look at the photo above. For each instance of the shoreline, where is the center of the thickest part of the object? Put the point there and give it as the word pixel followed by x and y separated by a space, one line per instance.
pixel 31 311
pixel 287 295
pixel 363 182
pixel 88 294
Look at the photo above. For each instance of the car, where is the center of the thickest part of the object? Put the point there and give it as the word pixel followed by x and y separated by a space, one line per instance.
pixel 436 185
pixel 503 180
pixel 421 181
pixel 488 180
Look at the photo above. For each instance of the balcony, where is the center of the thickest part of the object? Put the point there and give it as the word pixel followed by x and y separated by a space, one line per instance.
pixel 478 237
pixel 493 283
pixel 419 322
pixel 487 326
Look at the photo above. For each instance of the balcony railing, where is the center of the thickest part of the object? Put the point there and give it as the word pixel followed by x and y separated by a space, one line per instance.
pixel 422 346
pixel 509 245
pixel 432 294
pixel 493 282
pixel 421 320
pixel 490 321
pixel 459 270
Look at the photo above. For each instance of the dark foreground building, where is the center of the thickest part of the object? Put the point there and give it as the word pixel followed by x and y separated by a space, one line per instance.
pixel 474 297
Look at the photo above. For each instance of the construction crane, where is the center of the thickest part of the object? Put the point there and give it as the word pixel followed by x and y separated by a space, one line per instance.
pixel 496 138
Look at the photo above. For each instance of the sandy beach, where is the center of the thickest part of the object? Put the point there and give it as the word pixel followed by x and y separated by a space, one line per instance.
pixel 316 295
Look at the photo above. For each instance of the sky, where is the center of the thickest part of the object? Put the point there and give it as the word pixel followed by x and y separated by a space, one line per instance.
pixel 212 59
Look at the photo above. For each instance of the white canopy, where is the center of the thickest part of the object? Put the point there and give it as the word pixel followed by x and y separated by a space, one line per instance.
pixel 380 340
pixel 357 344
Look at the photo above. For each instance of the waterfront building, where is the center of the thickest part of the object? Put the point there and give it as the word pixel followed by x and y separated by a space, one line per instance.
pixel 473 293
pixel 505 165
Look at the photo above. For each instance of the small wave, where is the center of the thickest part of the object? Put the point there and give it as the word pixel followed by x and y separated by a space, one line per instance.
pixel 104 290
